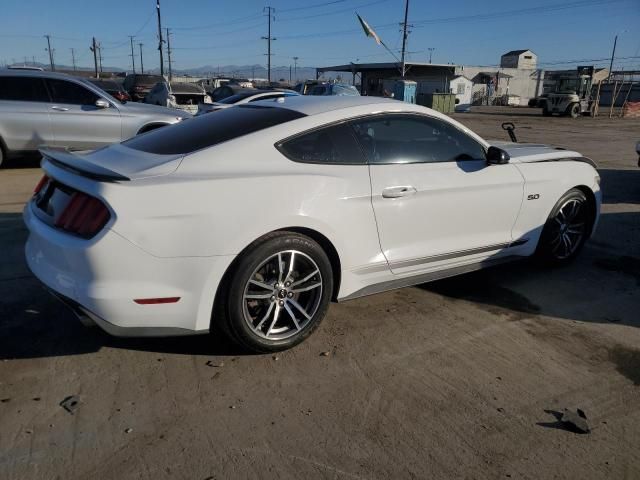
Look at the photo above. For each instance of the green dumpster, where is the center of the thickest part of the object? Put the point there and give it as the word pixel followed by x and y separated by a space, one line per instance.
pixel 440 102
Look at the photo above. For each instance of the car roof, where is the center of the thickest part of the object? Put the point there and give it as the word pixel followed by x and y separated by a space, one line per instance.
pixel 36 73
pixel 314 105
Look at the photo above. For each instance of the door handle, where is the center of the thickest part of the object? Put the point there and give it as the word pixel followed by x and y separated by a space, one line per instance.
pixel 60 109
pixel 397 192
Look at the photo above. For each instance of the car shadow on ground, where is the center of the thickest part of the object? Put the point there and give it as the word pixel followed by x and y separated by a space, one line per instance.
pixel 601 285
pixel 33 324
pixel 620 186
pixel 23 161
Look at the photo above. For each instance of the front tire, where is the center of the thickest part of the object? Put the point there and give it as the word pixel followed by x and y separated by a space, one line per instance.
pixel 566 230
pixel 278 293
pixel 574 110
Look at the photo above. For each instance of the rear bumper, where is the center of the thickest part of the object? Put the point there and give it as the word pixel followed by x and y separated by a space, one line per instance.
pixel 100 278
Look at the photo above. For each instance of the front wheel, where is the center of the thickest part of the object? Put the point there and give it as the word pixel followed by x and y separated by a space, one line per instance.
pixel 567 229
pixel 574 110
pixel 278 293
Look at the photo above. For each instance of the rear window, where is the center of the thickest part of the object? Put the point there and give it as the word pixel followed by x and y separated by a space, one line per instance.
pixel 211 129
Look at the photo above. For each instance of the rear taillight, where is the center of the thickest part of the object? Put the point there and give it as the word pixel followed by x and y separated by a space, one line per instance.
pixel 84 215
pixel 43 181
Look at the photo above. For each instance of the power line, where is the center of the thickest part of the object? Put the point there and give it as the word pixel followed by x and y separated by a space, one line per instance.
pixel 309 7
pixel 334 12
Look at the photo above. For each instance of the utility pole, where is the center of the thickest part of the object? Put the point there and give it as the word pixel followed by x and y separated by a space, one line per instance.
pixel 73 58
pixel 269 38
pixel 100 56
pixel 613 54
pixel 289 74
pixel 94 49
pixel 431 49
pixel 404 37
pixel 53 67
pixel 141 63
pixel 295 68
pixel 169 51
pixel 160 37
pixel 133 56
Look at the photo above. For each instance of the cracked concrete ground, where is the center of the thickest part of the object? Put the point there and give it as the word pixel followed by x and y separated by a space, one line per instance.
pixel 453 379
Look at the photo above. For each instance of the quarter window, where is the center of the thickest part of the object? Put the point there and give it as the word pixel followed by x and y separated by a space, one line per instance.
pixel 411 139
pixel 330 145
pixel 26 89
pixel 63 91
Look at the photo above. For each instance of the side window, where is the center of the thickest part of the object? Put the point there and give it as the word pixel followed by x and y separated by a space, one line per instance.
pixel 330 145
pixel 26 89
pixel 412 139
pixel 63 91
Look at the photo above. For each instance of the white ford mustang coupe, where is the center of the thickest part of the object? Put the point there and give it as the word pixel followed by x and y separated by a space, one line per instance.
pixel 252 220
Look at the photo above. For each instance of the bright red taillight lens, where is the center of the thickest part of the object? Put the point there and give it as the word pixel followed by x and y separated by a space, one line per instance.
pixel 43 181
pixel 84 215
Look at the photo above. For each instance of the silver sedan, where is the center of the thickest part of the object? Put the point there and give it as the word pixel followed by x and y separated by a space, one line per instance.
pixel 53 109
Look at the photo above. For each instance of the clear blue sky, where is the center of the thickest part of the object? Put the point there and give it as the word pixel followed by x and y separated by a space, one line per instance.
pixel 321 32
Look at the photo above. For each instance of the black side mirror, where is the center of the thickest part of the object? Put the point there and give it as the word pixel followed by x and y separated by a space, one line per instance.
pixel 497 156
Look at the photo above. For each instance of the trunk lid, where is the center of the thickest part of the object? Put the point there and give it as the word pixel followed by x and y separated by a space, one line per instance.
pixel 114 163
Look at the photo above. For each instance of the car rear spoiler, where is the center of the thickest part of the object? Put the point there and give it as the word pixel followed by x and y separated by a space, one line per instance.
pixel 75 163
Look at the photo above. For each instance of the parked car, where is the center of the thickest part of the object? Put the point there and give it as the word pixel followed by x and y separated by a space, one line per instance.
pixel 241 82
pixel 304 88
pixel 113 88
pixel 227 91
pixel 338 89
pixel 210 84
pixel 58 110
pixel 638 152
pixel 252 220
pixel 182 95
pixel 138 85
pixel 244 97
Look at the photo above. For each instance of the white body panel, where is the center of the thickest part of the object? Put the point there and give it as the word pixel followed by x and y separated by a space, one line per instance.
pixel 177 225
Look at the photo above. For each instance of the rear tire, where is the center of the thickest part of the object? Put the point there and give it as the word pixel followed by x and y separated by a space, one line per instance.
pixel 277 293
pixel 545 111
pixel 1 155
pixel 566 230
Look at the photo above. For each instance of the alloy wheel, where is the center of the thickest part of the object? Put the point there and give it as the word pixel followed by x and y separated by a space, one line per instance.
pixel 282 295
pixel 569 228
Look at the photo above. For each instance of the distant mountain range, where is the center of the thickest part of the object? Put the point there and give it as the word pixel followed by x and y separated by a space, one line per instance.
pixel 239 71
